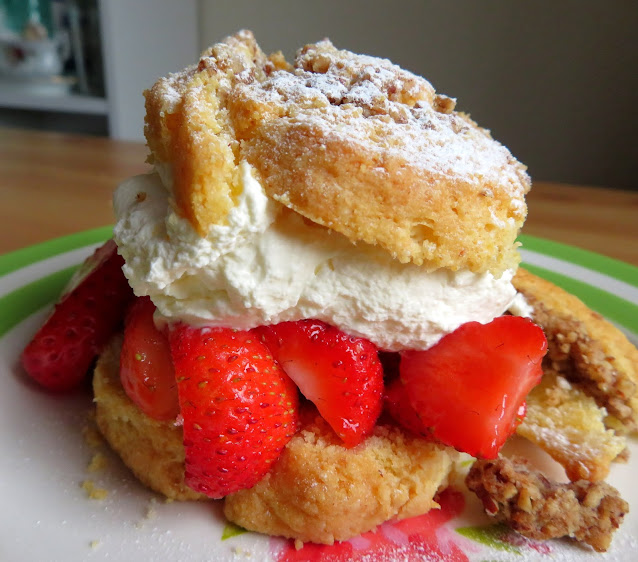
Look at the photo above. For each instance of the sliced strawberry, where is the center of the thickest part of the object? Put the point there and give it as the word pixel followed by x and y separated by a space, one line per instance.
pixel 88 313
pixel 146 367
pixel 468 391
pixel 397 404
pixel 340 374
pixel 239 407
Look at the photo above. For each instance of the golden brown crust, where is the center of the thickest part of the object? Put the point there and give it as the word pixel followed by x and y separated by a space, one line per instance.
pixel 523 498
pixel 152 449
pixel 351 142
pixel 586 349
pixel 320 491
pixel 566 423
pixel 187 129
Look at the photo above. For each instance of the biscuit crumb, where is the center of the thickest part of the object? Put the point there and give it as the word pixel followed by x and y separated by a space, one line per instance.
pixel 92 436
pixel 98 462
pixel 94 544
pixel 238 551
pixel 94 492
pixel 151 512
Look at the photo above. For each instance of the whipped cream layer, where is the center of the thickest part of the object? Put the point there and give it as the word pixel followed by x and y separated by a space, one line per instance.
pixel 268 265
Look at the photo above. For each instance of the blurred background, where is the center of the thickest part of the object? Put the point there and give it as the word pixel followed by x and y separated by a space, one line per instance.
pixel 557 82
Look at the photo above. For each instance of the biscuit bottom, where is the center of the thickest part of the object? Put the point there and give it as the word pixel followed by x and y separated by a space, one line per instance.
pixel 318 490
pixel 152 449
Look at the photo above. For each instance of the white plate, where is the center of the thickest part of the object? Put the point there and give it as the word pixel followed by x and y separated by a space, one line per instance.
pixel 46 514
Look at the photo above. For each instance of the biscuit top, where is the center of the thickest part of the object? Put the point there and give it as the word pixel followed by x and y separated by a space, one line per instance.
pixel 351 142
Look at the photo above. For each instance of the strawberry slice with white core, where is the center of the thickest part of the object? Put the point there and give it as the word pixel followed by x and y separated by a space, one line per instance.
pixel 468 391
pixel 340 374
pixel 239 408
pixel 89 311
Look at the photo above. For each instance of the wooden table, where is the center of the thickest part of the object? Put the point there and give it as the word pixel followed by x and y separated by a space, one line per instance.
pixel 53 184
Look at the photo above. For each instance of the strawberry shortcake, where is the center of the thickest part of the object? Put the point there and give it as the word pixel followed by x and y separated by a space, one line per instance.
pixel 325 316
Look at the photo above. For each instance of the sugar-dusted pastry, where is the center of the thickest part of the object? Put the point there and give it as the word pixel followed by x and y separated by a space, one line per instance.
pixel 323 260
pixel 350 142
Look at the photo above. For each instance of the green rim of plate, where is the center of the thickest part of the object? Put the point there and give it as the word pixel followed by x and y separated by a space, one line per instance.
pixel 613 307
pixel 29 298
pixel 26 256
pixel 611 267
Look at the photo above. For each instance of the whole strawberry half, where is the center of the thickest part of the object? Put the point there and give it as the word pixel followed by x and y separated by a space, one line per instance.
pixel 239 408
pixel 340 374
pixel 146 367
pixel 468 391
pixel 88 313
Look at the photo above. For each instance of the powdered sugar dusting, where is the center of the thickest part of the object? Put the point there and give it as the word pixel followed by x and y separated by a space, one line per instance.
pixel 173 86
pixel 337 122
pixel 362 100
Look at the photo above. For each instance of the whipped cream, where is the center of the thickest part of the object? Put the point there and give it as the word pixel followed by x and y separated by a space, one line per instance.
pixel 268 264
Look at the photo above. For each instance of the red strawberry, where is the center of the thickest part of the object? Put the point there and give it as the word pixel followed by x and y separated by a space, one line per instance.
pixel 340 374
pixel 146 367
pixel 88 313
pixel 239 407
pixel 397 404
pixel 468 390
